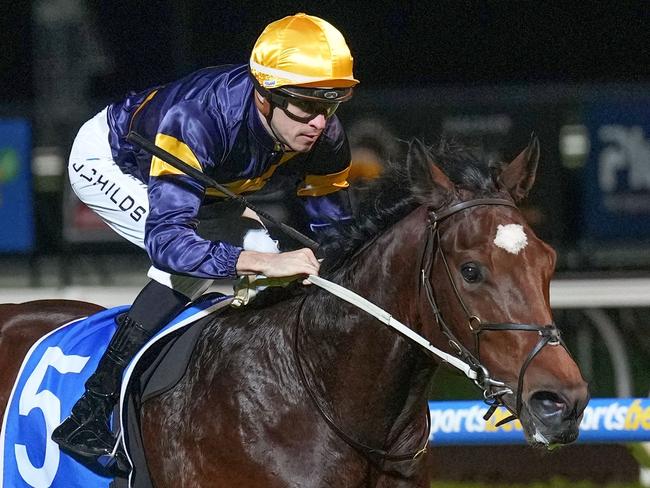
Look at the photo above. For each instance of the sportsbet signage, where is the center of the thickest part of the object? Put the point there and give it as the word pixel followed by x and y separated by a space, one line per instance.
pixel 604 420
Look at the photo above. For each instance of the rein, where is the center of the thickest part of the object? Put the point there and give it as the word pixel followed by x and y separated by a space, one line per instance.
pixel 463 360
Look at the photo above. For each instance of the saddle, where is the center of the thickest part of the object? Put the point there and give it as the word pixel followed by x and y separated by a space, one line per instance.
pixel 157 368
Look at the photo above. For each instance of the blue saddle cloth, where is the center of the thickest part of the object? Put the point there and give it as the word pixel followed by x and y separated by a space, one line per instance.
pixel 49 383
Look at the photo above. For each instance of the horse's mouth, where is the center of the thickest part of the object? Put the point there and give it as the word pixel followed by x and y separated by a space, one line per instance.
pixel 541 432
pixel 547 420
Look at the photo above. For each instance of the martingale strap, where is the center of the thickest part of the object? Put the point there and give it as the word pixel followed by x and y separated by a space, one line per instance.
pixel 374 454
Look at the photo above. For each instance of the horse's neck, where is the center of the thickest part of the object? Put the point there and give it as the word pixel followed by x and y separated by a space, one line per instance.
pixel 363 364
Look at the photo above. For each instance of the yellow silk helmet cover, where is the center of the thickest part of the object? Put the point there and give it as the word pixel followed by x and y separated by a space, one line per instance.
pixel 302 50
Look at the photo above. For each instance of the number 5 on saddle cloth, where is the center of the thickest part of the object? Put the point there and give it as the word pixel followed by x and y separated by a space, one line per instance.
pixel 52 378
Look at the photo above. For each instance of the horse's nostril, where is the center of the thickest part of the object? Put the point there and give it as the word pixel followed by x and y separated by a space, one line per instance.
pixel 547 404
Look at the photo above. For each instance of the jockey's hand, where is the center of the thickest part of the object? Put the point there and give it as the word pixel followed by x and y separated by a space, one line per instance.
pixel 284 264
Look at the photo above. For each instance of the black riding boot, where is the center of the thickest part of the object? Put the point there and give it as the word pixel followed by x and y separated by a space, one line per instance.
pixel 86 432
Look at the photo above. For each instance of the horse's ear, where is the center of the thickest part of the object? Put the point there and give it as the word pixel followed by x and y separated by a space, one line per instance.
pixel 517 178
pixel 428 181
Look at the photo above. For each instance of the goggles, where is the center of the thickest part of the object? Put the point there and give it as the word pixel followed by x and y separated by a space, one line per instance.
pixel 312 102
pixel 307 110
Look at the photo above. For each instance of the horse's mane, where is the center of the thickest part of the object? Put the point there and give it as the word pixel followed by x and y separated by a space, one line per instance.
pixel 389 198
pixel 382 202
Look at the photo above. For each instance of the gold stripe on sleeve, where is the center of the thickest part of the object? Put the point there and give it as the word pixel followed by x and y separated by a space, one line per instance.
pixel 318 185
pixel 178 149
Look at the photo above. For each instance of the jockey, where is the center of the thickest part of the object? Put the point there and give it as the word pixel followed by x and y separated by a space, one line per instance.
pixel 237 124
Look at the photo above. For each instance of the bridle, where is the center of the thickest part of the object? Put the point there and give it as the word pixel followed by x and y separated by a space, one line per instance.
pixel 493 390
pixel 469 363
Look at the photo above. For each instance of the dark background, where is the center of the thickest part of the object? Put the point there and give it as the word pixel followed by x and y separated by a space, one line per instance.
pixel 395 44
pixel 421 65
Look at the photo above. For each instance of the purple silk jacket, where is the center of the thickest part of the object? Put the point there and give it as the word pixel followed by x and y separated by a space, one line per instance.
pixel 209 120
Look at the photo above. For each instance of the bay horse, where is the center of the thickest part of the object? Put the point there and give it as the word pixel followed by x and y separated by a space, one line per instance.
pixel 301 389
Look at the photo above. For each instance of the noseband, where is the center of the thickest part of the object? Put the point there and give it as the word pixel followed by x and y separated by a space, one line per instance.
pixel 493 390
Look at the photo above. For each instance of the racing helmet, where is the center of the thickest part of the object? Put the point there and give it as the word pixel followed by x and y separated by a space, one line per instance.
pixel 302 58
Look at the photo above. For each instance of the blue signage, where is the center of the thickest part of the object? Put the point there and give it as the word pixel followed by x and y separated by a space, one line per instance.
pixel 16 212
pixel 617 175
pixel 604 420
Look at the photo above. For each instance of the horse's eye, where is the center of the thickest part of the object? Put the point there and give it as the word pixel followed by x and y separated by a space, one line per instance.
pixel 471 272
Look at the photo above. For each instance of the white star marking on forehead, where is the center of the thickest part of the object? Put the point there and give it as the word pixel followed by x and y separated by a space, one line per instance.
pixel 511 237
